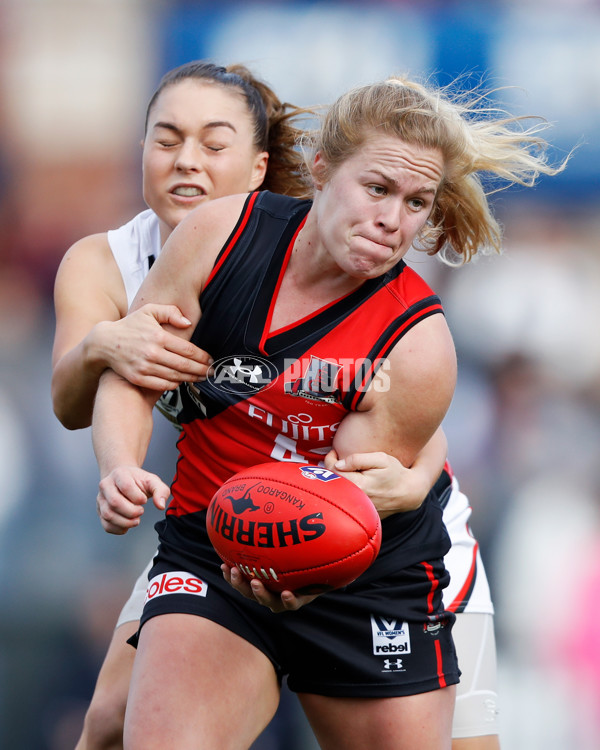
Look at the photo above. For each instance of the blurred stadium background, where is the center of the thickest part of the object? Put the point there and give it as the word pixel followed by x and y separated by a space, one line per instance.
pixel 524 428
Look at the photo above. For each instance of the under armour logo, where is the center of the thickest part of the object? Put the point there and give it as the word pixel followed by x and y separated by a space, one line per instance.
pixel 392 664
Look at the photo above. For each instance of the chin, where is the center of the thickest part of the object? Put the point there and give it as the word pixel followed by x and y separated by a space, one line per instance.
pixel 365 273
pixel 373 265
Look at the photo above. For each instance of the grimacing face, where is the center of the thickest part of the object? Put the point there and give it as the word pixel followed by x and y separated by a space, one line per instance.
pixel 198 146
pixel 373 205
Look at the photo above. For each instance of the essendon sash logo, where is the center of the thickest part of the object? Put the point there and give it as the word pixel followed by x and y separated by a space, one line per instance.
pixel 265 534
pixel 318 383
pixel 175 582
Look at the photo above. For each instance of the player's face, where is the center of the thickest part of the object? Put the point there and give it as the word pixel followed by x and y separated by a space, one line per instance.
pixel 199 146
pixel 375 203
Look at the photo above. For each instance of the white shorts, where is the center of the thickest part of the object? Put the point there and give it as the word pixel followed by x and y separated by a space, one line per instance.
pixel 468 596
pixel 469 590
pixel 132 610
pixel 476 710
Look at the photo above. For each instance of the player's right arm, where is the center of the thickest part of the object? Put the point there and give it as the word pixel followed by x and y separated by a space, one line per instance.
pixel 93 334
pixel 121 435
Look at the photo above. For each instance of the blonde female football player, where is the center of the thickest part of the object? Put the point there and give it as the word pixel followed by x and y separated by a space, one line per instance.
pixel 413 157
pixel 206 128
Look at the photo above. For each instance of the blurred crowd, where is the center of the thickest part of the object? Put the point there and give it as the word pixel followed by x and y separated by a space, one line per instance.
pixel 524 434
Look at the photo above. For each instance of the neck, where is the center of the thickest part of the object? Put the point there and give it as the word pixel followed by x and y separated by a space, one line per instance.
pixel 312 269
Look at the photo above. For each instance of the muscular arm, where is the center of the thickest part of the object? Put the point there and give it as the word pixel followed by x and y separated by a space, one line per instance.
pixel 403 420
pixel 389 483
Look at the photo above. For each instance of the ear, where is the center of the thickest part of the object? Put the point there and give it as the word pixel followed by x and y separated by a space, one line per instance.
pixel 259 170
pixel 318 171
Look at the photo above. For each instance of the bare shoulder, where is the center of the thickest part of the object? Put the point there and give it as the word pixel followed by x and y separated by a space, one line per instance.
pixel 217 210
pixel 425 355
pixel 92 249
pixel 421 378
pixel 88 270
pixel 88 289
pixel 89 261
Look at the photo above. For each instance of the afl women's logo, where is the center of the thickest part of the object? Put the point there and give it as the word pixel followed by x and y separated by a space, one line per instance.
pixel 242 374
pixel 318 472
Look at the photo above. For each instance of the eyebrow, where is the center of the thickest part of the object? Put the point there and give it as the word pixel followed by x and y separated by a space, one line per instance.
pixel 394 182
pixel 209 126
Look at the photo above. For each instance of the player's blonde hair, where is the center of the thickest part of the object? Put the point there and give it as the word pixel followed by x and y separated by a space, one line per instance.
pixel 476 140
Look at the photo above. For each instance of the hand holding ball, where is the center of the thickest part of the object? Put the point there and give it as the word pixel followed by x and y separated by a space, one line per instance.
pixel 295 527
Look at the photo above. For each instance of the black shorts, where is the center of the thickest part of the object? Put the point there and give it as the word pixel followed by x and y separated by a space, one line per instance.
pixel 384 635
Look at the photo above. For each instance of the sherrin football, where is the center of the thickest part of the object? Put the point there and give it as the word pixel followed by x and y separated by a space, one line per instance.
pixel 295 527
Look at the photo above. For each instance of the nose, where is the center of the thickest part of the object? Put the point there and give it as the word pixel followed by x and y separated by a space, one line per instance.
pixel 389 216
pixel 189 157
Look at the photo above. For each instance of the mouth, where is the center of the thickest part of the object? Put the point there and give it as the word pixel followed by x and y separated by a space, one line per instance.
pixel 379 243
pixel 188 191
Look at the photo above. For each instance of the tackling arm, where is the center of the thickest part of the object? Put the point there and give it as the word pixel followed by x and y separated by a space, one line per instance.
pixel 88 290
pixel 94 332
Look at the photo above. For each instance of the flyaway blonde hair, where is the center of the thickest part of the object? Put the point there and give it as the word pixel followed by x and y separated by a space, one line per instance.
pixel 477 140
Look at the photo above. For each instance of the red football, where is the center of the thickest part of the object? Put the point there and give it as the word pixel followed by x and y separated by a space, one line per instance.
pixel 296 527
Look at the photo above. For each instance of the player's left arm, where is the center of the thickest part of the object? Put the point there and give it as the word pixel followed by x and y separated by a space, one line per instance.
pixel 403 409
pixel 386 480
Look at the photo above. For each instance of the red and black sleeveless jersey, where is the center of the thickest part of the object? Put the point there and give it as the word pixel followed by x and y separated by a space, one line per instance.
pixel 281 395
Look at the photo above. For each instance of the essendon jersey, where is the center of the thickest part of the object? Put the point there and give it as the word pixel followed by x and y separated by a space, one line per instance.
pixel 281 395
